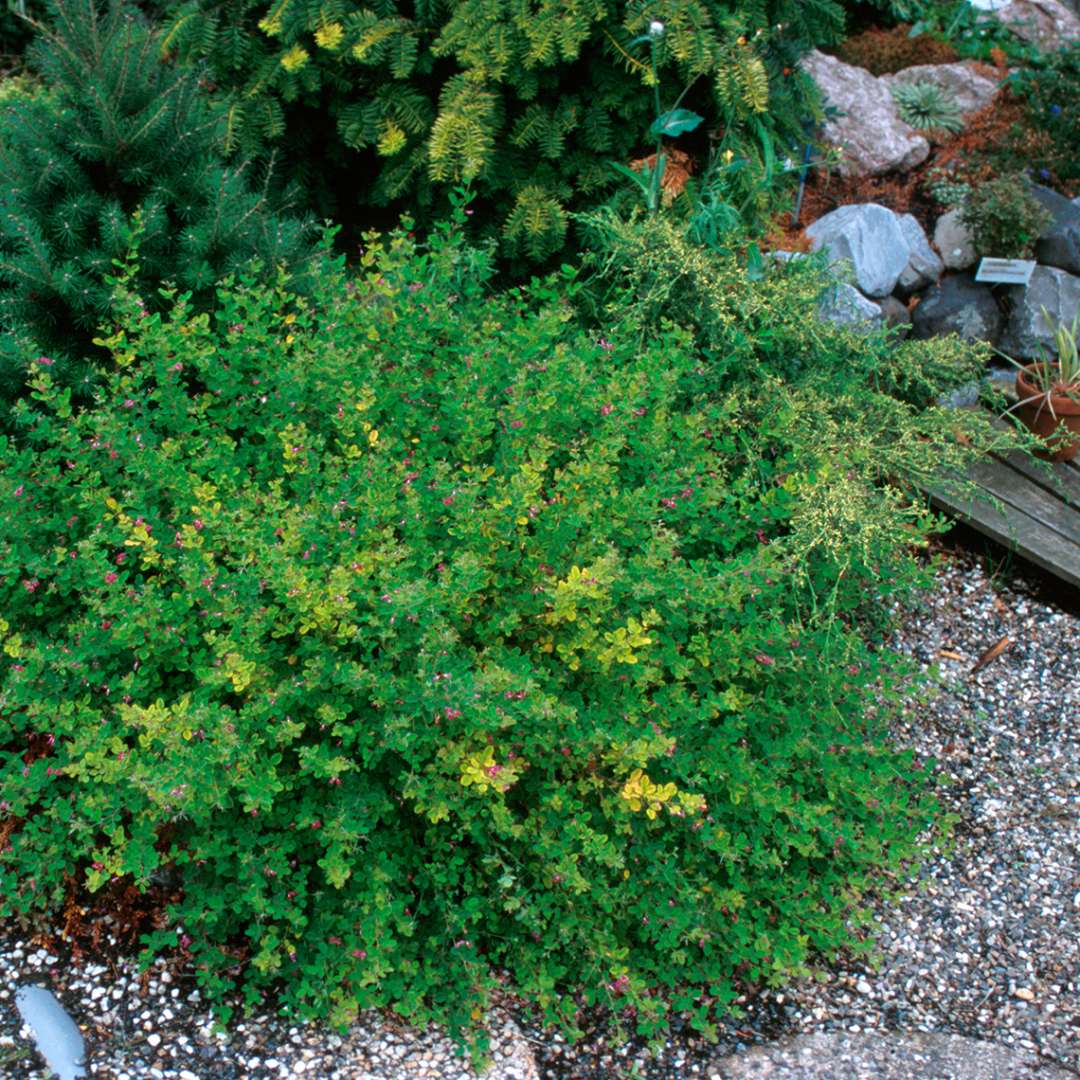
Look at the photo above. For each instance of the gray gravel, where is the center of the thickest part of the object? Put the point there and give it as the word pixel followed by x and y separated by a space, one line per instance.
pixel 988 947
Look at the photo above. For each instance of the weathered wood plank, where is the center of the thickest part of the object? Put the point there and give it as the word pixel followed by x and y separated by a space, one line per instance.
pixel 1018 531
pixel 1059 480
pixel 1015 489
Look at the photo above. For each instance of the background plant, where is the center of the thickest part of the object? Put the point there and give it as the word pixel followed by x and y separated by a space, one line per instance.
pixel 114 132
pixel 972 33
pixel 1005 219
pixel 885 51
pixel 1050 89
pixel 429 637
pixel 526 101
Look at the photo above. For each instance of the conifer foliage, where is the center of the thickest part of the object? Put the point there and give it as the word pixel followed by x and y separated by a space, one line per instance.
pixel 117 132
pixel 527 100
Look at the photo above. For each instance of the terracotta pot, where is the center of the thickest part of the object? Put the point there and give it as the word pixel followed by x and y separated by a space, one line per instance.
pixel 1047 415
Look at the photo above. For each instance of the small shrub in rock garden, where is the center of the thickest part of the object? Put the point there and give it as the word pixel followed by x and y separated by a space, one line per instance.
pixel 883 52
pixel 1005 219
pixel 1050 90
pixel 427 639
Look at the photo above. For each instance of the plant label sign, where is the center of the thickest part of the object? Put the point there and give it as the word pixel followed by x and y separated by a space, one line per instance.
pixel 1006 271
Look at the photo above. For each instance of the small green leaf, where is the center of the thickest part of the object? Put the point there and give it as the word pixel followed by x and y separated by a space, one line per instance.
pixel 675 122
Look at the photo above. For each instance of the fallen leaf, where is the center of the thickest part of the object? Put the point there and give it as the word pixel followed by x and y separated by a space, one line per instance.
pixel 948 654
pixel 992 653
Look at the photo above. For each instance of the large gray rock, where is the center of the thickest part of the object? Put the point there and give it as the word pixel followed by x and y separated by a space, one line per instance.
pixel 1059 244
pixel 844 305
pixel 958 305
pixel 1047 23
pixel 924 265
pixel 968 88
pixel 882 1055
pixel 1027 336
pixel 869 131
pixel 870 238
pixel 953 239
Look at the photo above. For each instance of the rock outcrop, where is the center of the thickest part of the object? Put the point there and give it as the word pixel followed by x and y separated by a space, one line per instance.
pixel 869 132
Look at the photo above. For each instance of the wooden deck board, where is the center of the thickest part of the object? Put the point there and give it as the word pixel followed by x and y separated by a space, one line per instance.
pixel 1018 532
pixel 1038 510
pixel 1017 490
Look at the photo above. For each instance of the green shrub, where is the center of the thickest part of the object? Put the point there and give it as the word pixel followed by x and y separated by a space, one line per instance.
pixel 116 132
pixel 392 104
pixel 1050 90
pixel 426 638
pixel 1004 217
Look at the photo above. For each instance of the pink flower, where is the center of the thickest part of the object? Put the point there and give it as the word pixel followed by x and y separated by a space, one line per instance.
pixel 19 490
pixel 762 658
pixel 607 410
pixel 129 403
pixel 31 584
pixel 46 361
pixel 110 578
pixel 196 525
pixel 177 366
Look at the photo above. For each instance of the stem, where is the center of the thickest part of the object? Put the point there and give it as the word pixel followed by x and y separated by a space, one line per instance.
pixel 657 169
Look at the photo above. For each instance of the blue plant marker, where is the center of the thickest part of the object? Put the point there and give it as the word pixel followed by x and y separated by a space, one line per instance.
pixel 56 1034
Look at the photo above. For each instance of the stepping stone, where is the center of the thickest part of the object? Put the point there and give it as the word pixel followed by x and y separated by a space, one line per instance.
pixel 885 1056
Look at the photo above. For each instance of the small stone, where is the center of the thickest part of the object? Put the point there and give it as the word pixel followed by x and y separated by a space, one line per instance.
pixel 1024 994
pixel 844 305
pixel 953 239
pixel 154 1040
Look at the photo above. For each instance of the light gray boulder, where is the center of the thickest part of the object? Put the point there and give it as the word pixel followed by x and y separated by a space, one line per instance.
pixel 1046 23
pixel 870 238
pixel 967 87
pixel 844 305
pixel 953 239
pixel 1027 336
pixel 924 265
pixel 868 130
pixel 1059 244
pixel 958 305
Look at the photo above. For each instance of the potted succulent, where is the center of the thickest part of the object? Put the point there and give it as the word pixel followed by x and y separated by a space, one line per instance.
pixel 1049 393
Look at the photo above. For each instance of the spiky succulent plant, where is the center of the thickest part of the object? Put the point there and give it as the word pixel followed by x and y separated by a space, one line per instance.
pixel 926 107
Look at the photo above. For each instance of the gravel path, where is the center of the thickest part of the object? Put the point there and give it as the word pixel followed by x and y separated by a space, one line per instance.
pixel 989 946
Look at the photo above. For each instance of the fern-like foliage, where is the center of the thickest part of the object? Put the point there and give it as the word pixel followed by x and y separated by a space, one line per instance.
pixel 422 94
